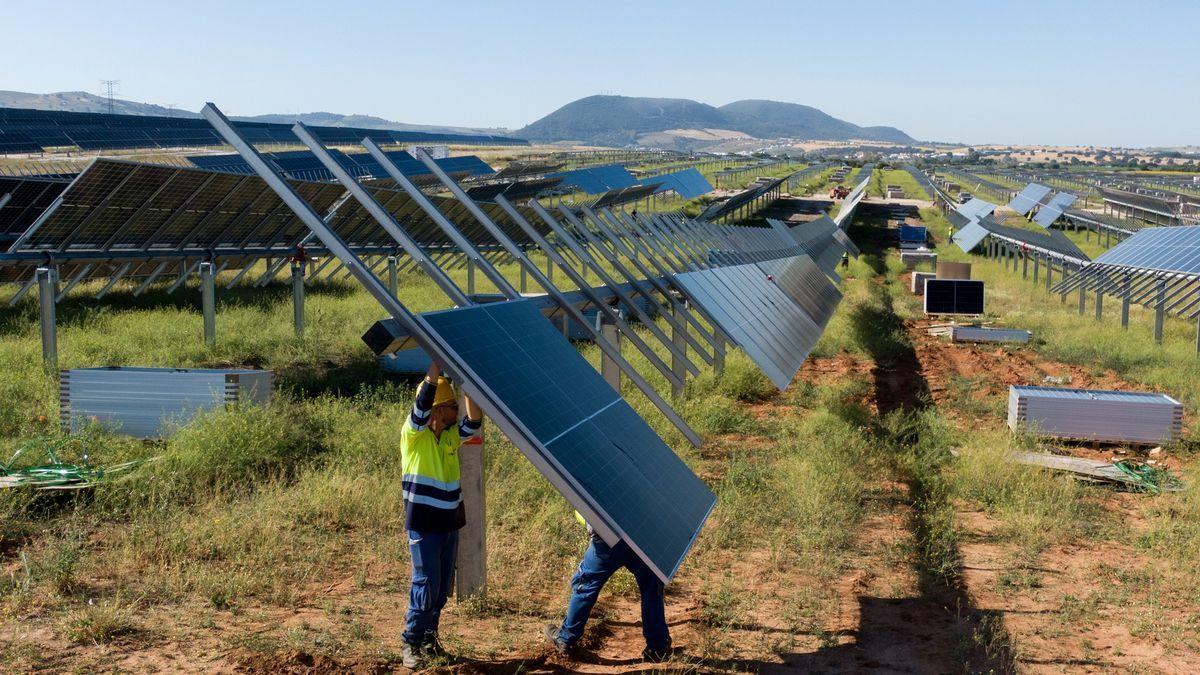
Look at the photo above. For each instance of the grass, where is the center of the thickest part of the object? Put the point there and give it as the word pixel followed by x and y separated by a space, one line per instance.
pixel 248 516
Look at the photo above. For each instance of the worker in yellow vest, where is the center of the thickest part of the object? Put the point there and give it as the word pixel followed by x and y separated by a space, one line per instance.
pixel 434 513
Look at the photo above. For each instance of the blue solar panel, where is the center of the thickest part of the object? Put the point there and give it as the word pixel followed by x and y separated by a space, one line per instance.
pixel 1054 209
pixel 597 179
pixel 1027 199
pixel 592 439
pixel 969 236
pixel 1169 249
pixel 303 165
pixel 910 233
pixel 689 183
pixel 976 209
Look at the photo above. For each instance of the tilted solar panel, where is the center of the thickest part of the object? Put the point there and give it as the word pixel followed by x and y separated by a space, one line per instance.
pixel 976 208
pixel 1054 209
pixel 1028 198
pixel 591 443
pixel 1168 249
pixel 970 236
pixel 597 179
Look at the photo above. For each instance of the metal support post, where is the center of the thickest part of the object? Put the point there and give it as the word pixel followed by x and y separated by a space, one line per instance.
pixel 1160 311
pixel 1037 264
pixel 608 367
pixel 1049 273
pixel 1024 266
pixel 524 279
pixel 208 302
pixel 470 276
pixel 1099 303
pixel 393 276
pixel 47 278
pixel 298 297
pixel 1125 303
pixel 678 363
pixel 1082 299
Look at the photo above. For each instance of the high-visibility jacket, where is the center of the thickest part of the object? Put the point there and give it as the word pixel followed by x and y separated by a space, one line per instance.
pixel 432 493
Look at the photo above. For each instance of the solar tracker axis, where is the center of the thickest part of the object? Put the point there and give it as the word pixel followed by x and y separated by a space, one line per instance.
pixel 647 275
pixel 655 278
pixel 605 278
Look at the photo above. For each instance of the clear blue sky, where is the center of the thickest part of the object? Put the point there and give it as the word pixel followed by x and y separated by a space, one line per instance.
pixel 1111 73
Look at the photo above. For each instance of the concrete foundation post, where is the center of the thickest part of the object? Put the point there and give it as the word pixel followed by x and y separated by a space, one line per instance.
pixel 47 279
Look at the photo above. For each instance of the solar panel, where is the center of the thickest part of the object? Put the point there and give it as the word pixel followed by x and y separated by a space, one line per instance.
pixel 976 208
pixel 592 439
pixel 1054 209
pixel 625 195
pixel 910 233
pixel 689 183
pixel 1028 198
pixel 844 240
pixel 970 236
pixel 597 179
pixel 953 296
pixel 26 199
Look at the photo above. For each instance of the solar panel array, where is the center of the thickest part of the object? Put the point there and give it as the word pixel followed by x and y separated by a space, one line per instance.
pixel 1029 198
pixel 719 209
pixel 597 179
pixel 775 311
pixel 24 130
pixel 303 165
pixel 134 211
pixel 625 195
pixel 594 446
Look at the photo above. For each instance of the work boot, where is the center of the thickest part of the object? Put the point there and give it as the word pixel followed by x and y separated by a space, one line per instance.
pixel 561 647
pixel 433 647
pixel 411 656
pixel 656 655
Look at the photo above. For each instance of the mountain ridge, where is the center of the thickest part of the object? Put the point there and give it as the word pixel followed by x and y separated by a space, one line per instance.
pixel 620 120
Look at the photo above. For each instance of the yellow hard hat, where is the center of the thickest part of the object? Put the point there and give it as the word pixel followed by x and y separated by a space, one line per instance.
pixel 445 393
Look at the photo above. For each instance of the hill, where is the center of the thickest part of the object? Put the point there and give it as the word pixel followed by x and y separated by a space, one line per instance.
pixel 620 120
pixel 82 101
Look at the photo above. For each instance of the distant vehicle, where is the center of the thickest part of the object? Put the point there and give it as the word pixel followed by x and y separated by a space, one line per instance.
pixel 839 192
pixel 964 197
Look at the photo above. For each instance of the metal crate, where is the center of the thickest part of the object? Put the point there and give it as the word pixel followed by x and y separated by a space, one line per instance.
pixel 153 402
pixel 1095 415
pixel 981 334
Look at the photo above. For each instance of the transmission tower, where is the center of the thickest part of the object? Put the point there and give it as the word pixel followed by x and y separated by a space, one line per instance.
pixel 110 92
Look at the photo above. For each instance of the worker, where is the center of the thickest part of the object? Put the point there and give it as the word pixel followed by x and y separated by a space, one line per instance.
pixel 434 513
pixel 600 562
pixel 845 260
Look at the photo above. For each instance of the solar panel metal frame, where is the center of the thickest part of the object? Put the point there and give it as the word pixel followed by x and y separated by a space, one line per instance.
pixel 970 236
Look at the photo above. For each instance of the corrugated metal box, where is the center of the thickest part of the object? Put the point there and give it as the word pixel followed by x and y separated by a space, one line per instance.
pixel 152 402
pixel 1095 415
pixel 981 334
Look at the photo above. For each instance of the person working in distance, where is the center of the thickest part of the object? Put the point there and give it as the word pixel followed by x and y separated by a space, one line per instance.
pixel 434 513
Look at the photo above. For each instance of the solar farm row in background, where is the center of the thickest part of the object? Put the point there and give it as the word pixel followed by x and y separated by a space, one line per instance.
pixel 31 131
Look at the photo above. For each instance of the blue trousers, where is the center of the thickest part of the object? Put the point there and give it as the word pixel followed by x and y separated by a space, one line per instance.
pixel 432 574
pixel 600 562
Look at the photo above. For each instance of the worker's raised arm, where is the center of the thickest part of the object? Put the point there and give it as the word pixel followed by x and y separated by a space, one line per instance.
pixel 472 421
pixel 423 403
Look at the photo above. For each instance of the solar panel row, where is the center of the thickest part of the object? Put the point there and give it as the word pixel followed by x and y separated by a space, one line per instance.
pixel 689 183
pixel 24 130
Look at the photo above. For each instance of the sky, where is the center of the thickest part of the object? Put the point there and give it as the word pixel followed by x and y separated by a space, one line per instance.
pixel 1056 73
